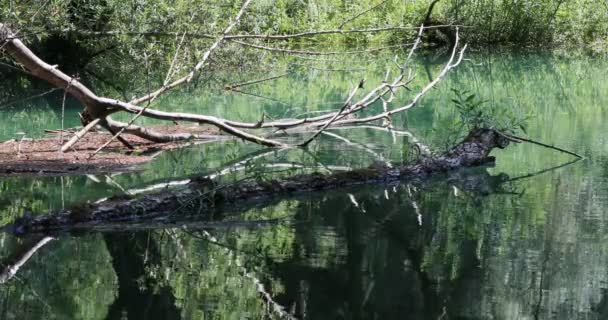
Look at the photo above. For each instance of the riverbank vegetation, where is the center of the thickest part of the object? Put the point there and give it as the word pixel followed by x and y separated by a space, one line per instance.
pixel 495 22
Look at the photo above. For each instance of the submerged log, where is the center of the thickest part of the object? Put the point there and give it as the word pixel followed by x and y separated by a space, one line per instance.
pixel 206 196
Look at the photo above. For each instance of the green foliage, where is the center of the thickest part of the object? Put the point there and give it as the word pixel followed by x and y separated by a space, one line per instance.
pixel 487 21
pixel 476 113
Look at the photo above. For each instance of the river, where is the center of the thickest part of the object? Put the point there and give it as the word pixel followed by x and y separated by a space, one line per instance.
pixel 527 238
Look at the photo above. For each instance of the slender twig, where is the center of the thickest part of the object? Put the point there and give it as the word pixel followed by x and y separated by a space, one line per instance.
pixel 65 94
pixel 305 34
pixel 344 107
pixel 197 69
pixel 315 53
pixel 242 84
pixel 259 96
pixel 119 132
pixel 14 68
pixel 521 139
pixel 361 14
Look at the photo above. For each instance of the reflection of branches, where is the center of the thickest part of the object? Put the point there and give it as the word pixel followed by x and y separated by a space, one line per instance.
pixel 533 174
pixel 409 188
pixel 424 149
pixel 271 304
pixel 547 250
pixel 153 222
pixel 376 155
pixel 11 269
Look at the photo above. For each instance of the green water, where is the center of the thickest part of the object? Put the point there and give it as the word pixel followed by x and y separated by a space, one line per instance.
pixel 507 242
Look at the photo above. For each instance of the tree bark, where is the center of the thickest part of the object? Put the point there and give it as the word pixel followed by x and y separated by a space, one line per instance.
pixel 205 196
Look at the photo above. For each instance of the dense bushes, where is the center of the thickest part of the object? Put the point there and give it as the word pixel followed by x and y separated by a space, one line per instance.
pixel 491 21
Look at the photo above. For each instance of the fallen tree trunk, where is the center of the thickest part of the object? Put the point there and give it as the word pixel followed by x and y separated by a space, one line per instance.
pixel 98 109
pixel 206 196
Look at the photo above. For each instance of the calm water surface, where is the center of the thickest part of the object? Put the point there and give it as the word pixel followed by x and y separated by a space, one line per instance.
pixel 519 240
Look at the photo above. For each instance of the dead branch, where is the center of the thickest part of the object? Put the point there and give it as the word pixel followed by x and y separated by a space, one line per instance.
pixel 361 13
pixel 449 66
pixel 544 145
pixel 370 98
pixel 80 134
pixel 306 34
pixel 242 84
pixel 98 109
pixel 199 66
pixel 316 53
pixel 159 137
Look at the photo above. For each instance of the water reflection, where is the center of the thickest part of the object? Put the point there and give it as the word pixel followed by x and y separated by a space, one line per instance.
pixel 511 242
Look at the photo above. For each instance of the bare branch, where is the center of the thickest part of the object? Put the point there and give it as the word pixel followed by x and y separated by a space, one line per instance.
pixel 344 107
pixel 316 53
pixel 306 34
pixel 361 13
pixel 188 78
pixel 78 135
pixel 242 84
pixel 101 108
pixel 449 66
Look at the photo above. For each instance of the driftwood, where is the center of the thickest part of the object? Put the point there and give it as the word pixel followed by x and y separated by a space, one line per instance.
pixel 206 197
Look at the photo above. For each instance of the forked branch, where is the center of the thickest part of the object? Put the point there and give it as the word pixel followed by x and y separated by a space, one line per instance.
pixel 98 109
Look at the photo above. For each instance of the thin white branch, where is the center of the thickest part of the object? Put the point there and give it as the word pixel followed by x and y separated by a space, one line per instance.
pixel 196 70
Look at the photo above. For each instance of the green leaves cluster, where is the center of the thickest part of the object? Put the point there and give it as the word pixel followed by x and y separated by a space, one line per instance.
pixel 477 113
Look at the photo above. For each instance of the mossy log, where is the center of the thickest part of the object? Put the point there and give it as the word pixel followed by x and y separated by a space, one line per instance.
pixel 206 197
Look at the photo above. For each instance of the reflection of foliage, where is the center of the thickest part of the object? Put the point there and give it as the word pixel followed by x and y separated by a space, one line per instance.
pixel 67 279
pixel 274 242
pixel 207 276
pixel 500 239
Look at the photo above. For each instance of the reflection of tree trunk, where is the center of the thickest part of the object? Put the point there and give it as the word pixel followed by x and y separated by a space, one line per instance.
pixel 474 150
pixel 427 67
pixel 354 261
pixel 360 287
pixel 139 296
